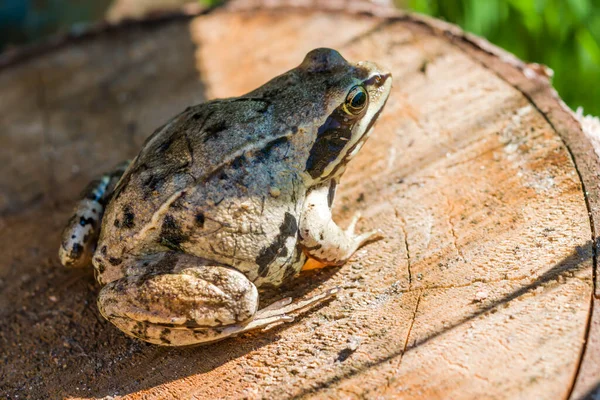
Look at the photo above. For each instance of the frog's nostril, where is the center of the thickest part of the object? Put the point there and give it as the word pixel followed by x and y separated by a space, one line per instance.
pixel 378 79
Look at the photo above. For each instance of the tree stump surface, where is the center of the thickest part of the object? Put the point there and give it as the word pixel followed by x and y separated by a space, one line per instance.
pixel 475 172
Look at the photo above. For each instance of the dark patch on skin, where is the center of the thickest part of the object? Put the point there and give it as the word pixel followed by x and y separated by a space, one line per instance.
pixel 115 260
pixel 76 251
pixel 327 147
pixel 289 228
pixel 181 203
pixel 191 323
pixel 164 146
pixel 117 223
pixel 344 161
pixel 171 235
pixel 160 175
pixel 128 217
pixel 151 183
pixel 86 221
pixel 238 162
pixel 293 267
pixel 332 137
pixel 164 336
pixel 140 330
pixel 200 219
pixel 265 153
pixel 313 248
pixel 100 266
pixel 331 193
pixel 211 131
pixel 103 250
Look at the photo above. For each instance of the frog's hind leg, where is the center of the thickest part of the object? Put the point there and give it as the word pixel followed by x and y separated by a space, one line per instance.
pixel 190 305
pixel 81 233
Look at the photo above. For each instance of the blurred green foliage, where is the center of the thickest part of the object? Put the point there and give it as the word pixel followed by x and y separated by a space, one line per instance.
pixel 563 34
pixel 211 3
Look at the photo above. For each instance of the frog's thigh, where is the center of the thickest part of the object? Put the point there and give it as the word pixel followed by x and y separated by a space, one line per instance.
pixel 194 305
pixel 320 236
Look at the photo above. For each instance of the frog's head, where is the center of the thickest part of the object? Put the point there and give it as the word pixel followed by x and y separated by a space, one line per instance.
pixel 350 98
pixel 330 106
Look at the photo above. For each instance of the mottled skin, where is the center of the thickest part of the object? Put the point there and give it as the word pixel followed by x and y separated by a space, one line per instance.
pixel 227 197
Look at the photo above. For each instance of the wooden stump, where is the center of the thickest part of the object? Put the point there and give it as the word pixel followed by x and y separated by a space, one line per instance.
pixel 482 287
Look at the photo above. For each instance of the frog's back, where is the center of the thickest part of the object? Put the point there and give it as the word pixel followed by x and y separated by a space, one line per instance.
pixel 191 182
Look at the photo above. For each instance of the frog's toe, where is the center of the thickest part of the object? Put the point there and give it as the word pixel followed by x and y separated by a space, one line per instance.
pixel 368 237
pixel 352 226
pixel 277 313
pixel 276 306
pixel 285 306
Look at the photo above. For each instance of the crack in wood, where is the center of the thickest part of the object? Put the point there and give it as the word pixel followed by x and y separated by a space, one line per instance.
pixel 450 206
pixel 412 322
pixel 406 246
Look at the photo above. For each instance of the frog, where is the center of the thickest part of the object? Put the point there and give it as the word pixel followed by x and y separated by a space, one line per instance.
pixel 226 200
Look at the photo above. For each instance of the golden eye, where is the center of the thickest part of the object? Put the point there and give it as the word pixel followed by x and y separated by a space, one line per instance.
pixel 356 100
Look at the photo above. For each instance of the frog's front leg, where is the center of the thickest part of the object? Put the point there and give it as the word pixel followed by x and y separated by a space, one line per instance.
pixel 320 236
pixel 191 305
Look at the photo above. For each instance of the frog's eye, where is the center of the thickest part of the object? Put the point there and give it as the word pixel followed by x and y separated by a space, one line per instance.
pixel 356 100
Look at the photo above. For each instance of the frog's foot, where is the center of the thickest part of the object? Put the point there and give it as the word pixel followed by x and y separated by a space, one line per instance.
pixel 81 233
pixel 312 263
pixel 277 313
pixel 363 238
pixel 321 238
pixel 285 306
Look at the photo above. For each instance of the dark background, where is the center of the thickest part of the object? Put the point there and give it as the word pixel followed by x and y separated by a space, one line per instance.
pixel 563 34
